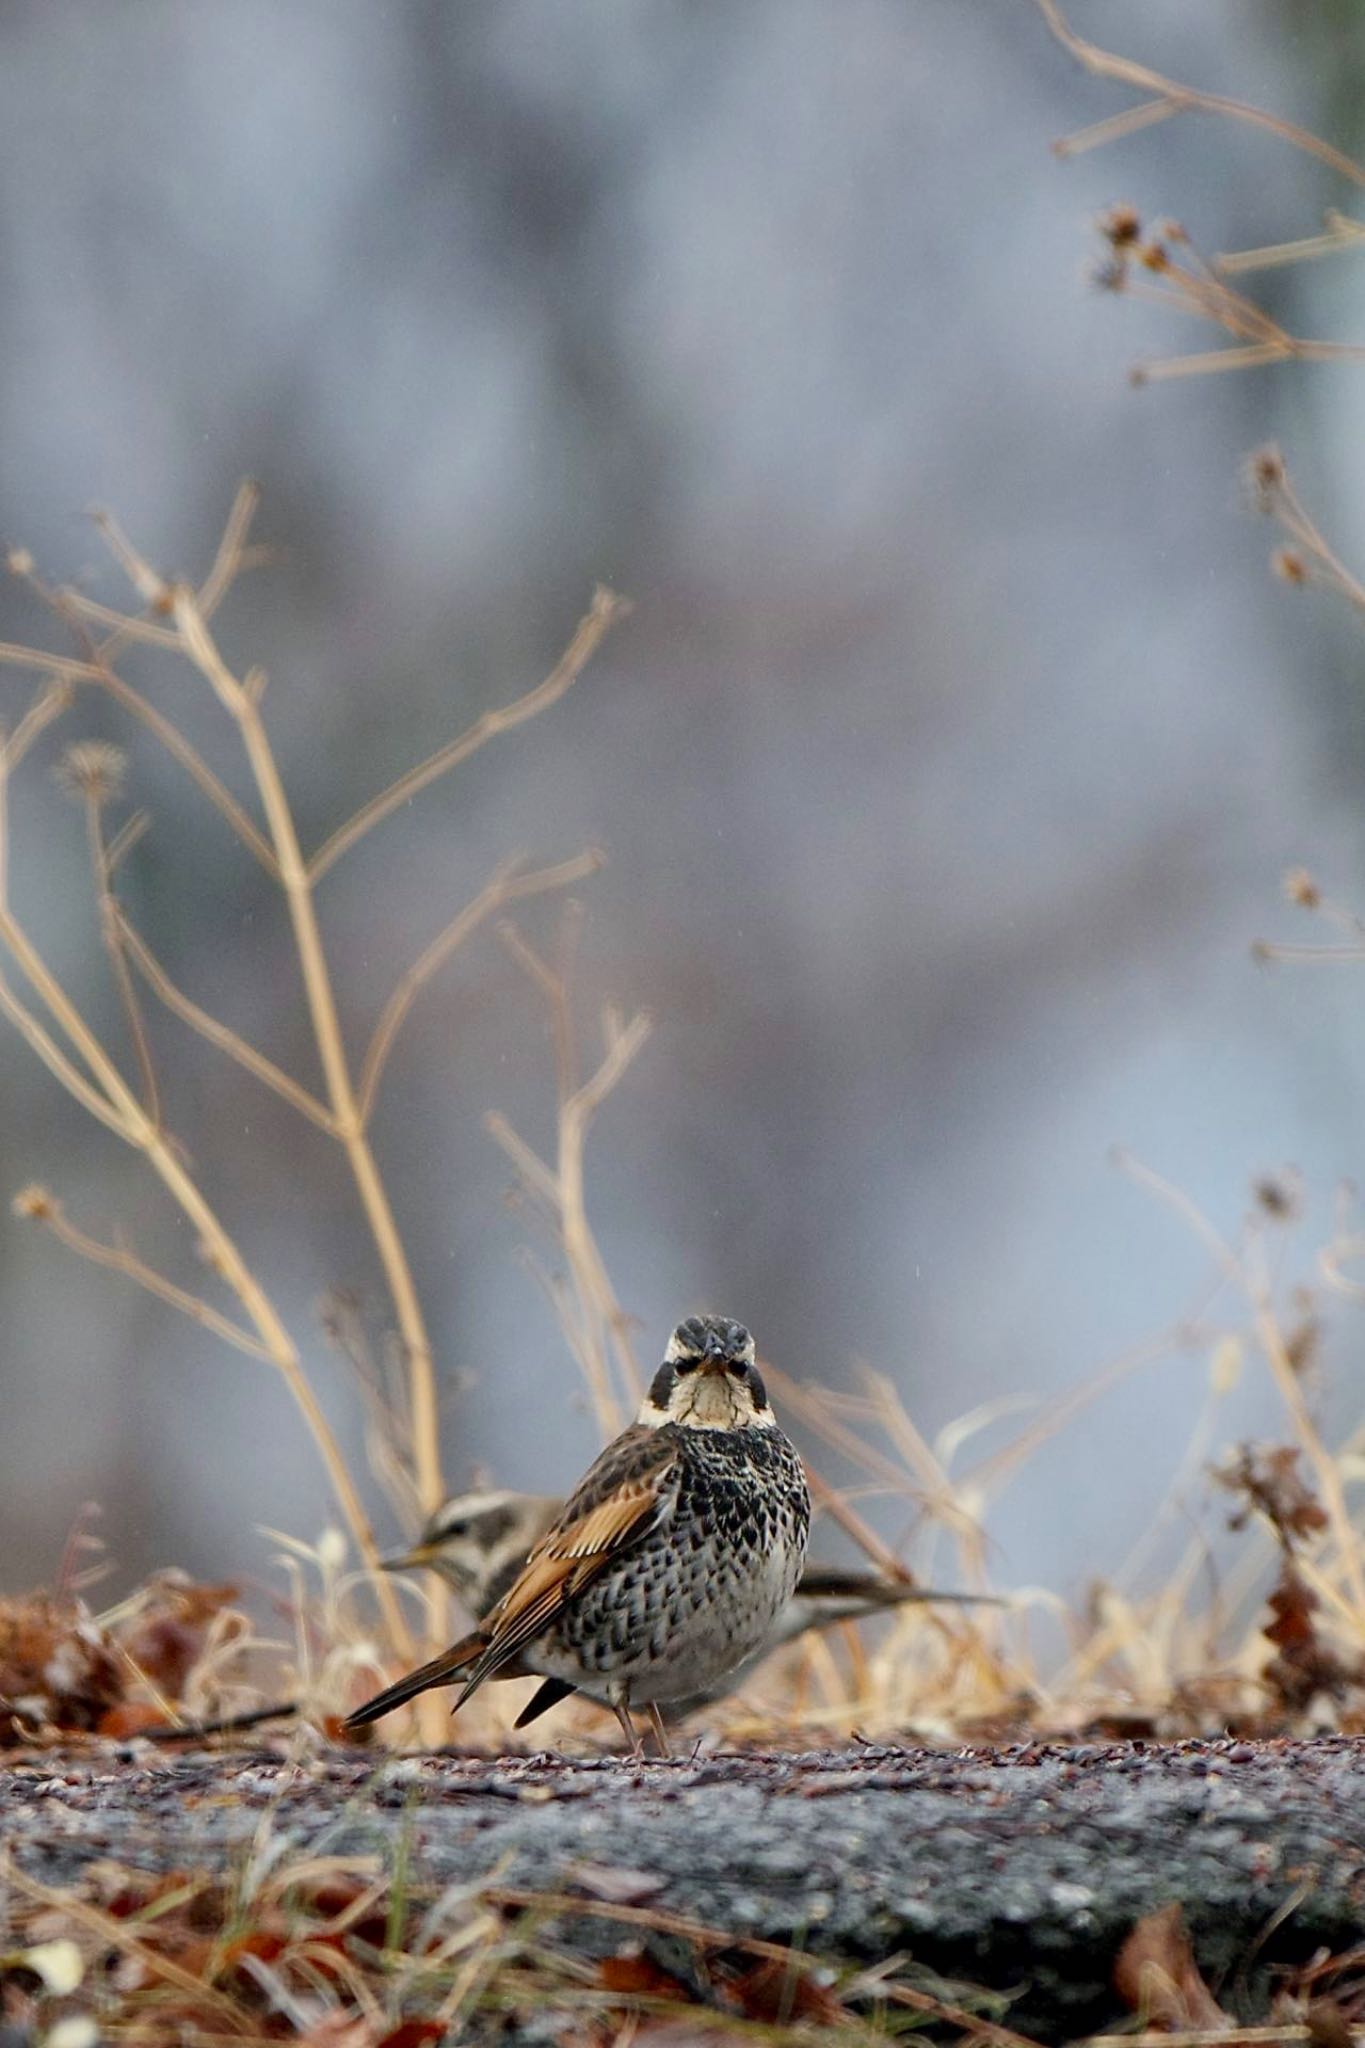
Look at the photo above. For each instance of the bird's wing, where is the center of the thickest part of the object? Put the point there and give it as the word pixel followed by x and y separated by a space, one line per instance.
pixel 625 1495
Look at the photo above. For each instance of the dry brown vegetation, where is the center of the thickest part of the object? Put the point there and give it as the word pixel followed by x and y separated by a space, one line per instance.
pixel 1261 1634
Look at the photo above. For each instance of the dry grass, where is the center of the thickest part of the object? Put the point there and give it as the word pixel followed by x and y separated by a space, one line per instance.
pixel 1253 1618
pixel 176 619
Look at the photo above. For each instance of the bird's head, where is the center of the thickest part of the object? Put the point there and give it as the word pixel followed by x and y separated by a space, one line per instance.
pixel 708 1379
pixel 471 1538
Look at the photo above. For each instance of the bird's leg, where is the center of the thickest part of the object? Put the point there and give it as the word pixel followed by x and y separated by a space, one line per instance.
pixel 660 1732
pixel 628 1728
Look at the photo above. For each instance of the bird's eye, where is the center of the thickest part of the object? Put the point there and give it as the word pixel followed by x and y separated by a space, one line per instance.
pixel 738 1367
pixel 688 1364
pixel 455 1529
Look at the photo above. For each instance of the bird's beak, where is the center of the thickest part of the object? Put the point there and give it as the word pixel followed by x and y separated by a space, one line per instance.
pixel 407 1560
pixel 714 1358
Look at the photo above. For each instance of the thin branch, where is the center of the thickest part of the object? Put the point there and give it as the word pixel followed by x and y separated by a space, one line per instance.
pixel 1185 99
pixel 175 743
pixel 1287 1380
pixel 506 886
pixel 1312 558
pixel 43 1208
pixel 124 625
pixel 606 608
pixel 49 704
pixel 150 585
pixel 232 549
pixel 583 1106
pixel 126 838
pixel 1254 357
pixel 122 1113
pixel 1342 232
pixel 1146 114
pixel 12 655
pixel 222 1035
pixel 111 931
pixel 294 880
pixel 98 669
pixel 532 1168
pixel 55 1060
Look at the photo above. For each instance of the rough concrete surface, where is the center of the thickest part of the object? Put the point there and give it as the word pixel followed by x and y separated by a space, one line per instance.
pixel 1020 1869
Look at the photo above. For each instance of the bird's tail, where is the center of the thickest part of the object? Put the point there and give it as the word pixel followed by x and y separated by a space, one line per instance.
pixel 443 1670
pixel 870 1589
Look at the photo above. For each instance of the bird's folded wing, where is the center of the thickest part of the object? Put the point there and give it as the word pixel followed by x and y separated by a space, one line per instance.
pixel 625 1495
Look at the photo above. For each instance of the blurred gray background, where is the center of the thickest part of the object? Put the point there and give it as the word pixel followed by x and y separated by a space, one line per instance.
pixel 948 765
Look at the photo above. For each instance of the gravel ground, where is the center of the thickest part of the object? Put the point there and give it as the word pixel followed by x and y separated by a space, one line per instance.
pixel 1021 1869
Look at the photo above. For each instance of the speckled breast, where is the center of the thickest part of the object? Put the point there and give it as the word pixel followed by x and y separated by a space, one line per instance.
pixel 699 1595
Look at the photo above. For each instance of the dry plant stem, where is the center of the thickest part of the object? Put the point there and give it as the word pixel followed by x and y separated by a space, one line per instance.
pixel 973 2024
pixel 506 886
pixel 222 1036
pixel 606 608
pixel 345 1108
pixel 109 1098
pixel 559 1190
pixel 126 1116
pixel 1271 1339
pixel 46 1210
pixel 116 1935
pixel 1174 98
pixel 585 1260
pixel 111 931
pixel 98 669
pixel 1256 356
pixel 1342 232
pixel 1289 512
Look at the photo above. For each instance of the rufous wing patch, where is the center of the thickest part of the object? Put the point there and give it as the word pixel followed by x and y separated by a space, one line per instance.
pixel 576 1550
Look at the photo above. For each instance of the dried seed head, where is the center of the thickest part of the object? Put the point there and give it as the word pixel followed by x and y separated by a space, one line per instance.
pixel 1121 226
pixel 19 562
pixel 93 770
pixel 1280 1195
pixel 34 1201
pixel 1265 475
pixel 1289 565
pixel 1299 887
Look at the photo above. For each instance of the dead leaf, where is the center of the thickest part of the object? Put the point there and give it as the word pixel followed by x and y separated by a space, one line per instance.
pixel 1157 1977
pixel 617 1885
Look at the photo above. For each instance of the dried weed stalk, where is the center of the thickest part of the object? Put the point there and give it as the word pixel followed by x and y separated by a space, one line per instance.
pixel 1161 263
pixel 176 618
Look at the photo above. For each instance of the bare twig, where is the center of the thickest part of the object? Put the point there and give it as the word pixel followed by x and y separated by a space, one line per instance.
pixel 41 1207
pixel 107 1097
pixel 1287 1381
pixel 222 1035
pixel 506 886
pixel 1182 99
pixel 111 932
pixel 1161 266
pixel 232 549
pixel 1342 233
pixel 598 1326
pixel 606 608
pixel 55 1060
pixel 298 891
